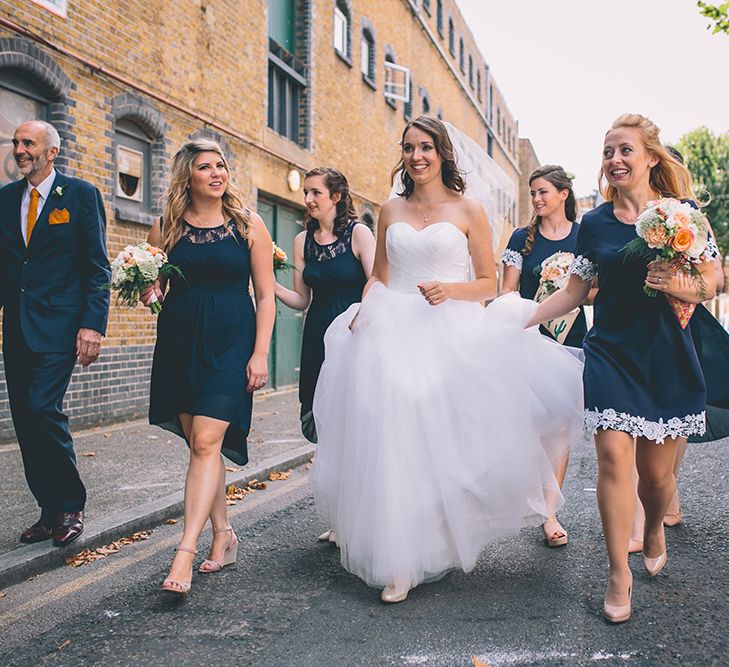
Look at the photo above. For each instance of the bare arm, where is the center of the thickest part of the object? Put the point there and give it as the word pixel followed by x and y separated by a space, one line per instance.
pixel 562 301
pixel 512 278
pixel 483 286
pixel 260 244
pixel 299 297
pixel 363 247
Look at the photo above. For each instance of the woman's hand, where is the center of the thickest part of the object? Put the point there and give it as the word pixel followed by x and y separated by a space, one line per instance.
pixel 257 371
pixel 435 293
pixel 154 289
pixel 659 276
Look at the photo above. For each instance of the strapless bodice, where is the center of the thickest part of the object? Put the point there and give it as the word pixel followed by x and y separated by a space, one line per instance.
pixel 438 252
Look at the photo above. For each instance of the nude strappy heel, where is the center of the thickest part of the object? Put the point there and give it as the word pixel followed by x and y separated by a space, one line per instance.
pixel 229 557
pixel 180 587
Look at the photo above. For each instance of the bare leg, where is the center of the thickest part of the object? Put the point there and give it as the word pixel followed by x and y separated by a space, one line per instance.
pixel 554 533
pixel 616 500
pixel 673 513
pixel 219 519
pixel 656 485
pixel 205 436
pixel 636 533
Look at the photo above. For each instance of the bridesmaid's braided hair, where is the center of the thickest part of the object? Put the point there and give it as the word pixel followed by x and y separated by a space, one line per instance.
pixel 336 182
pixel 558 177
pixel 449 172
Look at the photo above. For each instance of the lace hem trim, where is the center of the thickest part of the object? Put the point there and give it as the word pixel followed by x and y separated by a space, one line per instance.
pixel 583 268
pixel 512 258
pixel 675 427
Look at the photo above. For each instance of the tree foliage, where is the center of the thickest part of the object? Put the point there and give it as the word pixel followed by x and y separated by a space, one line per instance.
pixel 717 14
pixel 707 158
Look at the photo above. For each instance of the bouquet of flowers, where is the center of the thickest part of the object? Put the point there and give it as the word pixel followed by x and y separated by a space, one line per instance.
pixel 280 259
pixel 677 233
pixel 554 273
pixel 135 268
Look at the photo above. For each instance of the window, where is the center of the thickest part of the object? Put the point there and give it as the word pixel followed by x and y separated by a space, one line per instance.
pixel 407 107
pixel 19 102
pixel 397 80
pixel 490 145
pixel 470 71
pixel 478 83
pixel 439 16
pixel 343 31
pixel 451 37
pixel 498 120
pixel 491 103
pixel 367 53
pixel 426 6
pixel 461 58
pixel 426 106
pixel 58 7
pixel 133 154
pixel 368 220
pixel 287 72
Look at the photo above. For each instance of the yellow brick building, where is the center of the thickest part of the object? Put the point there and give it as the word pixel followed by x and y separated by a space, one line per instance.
pixel 283 85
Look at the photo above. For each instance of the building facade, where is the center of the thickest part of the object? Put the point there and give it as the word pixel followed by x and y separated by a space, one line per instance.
pixel 282 85
pixel 528 162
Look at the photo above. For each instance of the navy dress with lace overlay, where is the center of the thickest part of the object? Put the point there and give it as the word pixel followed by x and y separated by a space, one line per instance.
pixel 205 337
pixel 529 265
pixel 336 279
pixel 642 372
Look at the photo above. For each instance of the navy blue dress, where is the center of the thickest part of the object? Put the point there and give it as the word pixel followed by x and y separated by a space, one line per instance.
pixel 336 279
pixel 530 267
pixel 205 337
pixel 642 373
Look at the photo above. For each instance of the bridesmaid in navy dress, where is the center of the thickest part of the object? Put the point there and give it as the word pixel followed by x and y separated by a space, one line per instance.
pixel 212 345
pixel 642 378
pixel 333 258
pixel 552 229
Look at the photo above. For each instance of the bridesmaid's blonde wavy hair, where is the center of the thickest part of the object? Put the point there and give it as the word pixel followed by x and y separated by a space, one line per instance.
pixel 669 177
pixel 177 197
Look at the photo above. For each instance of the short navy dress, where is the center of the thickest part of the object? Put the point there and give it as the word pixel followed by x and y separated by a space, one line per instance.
pixel 336 279
pixel 530 267
pixel 642 372
pixel 205 337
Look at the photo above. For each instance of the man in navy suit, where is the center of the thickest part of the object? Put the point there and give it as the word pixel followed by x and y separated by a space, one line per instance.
pixel 53 265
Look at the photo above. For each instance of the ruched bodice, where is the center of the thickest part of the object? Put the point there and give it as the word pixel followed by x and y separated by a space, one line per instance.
pixel 437 252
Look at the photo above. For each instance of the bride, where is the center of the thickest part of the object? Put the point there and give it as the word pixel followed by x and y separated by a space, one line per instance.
pixel 439 420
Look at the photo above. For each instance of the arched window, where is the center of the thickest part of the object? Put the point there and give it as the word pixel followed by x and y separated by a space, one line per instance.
pixel 478 83
pixel 368 53
pixel 470 71
pixel 369 219
pixel 343 30
pixel 439 16
pixel 461 56
pixel 451 37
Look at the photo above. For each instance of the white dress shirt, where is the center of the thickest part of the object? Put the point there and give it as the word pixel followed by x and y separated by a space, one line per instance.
pixel 44 189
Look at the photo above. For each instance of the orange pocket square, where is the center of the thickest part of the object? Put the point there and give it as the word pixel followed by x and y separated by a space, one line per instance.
pixel 59 217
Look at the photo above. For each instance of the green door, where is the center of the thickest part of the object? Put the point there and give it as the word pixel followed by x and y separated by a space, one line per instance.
pixel 284 223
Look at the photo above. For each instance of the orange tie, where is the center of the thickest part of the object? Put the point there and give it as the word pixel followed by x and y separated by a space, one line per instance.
pixel 32 213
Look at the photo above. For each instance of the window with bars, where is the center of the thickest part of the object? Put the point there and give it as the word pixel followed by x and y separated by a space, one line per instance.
pixel 368 54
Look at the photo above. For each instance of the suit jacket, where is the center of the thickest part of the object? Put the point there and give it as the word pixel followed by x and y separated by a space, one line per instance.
pixel 54 286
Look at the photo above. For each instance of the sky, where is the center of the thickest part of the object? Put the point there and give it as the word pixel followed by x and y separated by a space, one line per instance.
pixel 568 68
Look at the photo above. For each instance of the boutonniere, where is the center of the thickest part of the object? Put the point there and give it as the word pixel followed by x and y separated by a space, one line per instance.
pixel 59 217
pixel 58 191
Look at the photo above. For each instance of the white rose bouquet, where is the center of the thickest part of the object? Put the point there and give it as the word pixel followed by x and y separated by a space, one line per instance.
pixel 135 268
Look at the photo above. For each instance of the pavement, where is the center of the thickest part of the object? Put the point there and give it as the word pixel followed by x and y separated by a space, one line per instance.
pixel 288 601
pixel 134 475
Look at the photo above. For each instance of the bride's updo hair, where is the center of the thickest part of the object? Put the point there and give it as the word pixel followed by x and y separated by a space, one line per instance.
pixel 449 171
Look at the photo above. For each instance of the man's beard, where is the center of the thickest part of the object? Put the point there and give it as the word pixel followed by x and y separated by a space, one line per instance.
pixel 37 165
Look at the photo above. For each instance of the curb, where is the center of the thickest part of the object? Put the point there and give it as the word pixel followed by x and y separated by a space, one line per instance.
pixel 33 559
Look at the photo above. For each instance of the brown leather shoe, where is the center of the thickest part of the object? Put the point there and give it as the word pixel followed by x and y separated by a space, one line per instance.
pixel 69 526
pixel 38 532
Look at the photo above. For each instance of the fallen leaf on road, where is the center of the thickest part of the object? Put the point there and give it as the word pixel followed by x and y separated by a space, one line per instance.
pixel 256 485
pixel 308 466
pixel 89 556
pixel 479 663
pixel 232 469
pixel 276 475
pixel 152 437
pixel 107 435
pixel 88 454
pixel 171 522
pixel 63 645
pixel 2 594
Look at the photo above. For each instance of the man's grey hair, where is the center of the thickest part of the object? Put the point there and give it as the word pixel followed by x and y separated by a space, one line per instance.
pixel 50 134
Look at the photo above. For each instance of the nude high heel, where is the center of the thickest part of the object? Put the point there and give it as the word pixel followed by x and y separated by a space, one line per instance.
pixel 621 612
pixel 229 557
pixel 394 593
pixel 654 565
pixel 179 587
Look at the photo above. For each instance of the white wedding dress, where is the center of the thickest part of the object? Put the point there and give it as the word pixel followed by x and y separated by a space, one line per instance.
pixel 437 425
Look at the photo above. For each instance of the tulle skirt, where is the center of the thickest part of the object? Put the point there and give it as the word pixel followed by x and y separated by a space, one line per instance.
pixel 439 428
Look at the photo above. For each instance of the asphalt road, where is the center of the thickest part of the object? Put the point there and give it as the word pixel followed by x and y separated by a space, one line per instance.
pixel 288 602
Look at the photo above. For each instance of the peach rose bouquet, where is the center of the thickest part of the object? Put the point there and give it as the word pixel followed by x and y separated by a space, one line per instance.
pixel 674 232
pixel 135 268
pixel 554 271
pixel 280 259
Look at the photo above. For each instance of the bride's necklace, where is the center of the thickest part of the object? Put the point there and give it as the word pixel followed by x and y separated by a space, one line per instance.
pixel 420 208
pixel 214 222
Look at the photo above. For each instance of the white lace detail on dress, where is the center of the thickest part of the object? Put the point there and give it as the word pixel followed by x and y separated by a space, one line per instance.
pixel 712 252
pixel 512 258
pixel 675 427
pixel 583 268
